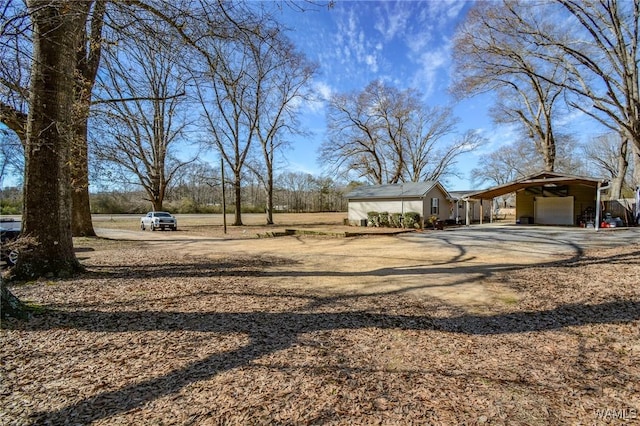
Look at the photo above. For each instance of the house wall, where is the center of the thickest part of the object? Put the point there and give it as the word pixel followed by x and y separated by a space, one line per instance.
pixel 358 209
pixel 444 206
pixel 524 204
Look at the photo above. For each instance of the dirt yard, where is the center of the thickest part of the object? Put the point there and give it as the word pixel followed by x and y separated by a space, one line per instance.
pixel 480 325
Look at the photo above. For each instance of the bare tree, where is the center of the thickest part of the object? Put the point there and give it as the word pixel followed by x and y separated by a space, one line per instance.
pixel 15 66
pixel 429 157
pixel 594 46
pixel 57 34
pixel 226 98
pixel 88 60
pixel 493 54
pixel 200 183
pixel 387 136
pixel 600 53
pixel 281 78
pixel 296 186
pixel 353 143
pixel 16 44
pixel 515 161
pixel 506 164
pixel 609 154
pixel 144 114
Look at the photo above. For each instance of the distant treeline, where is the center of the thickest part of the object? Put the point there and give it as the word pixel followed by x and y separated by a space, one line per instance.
pixel 300 194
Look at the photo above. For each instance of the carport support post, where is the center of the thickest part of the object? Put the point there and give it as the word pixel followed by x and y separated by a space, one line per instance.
pixel 466 211
pixel 481 211
pixel 491 211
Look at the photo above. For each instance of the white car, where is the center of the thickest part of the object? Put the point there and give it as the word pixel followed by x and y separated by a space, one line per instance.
pixel 159 220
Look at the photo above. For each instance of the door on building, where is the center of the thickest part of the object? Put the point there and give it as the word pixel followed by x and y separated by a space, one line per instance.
pixel 554 211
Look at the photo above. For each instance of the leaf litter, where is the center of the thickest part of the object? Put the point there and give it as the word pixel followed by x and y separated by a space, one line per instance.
pixel 200 341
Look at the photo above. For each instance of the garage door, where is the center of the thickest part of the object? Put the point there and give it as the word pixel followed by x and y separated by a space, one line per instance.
pixel 554 210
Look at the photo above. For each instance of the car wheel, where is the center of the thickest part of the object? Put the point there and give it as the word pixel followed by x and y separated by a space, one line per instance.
pixel 13 257
pixel 175 228
pixel 142 226
pixel 153 228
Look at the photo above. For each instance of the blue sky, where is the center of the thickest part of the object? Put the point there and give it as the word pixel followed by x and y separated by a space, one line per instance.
pixel 405 43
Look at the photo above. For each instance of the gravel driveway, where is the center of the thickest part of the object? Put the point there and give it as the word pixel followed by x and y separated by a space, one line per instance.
pixel 456 265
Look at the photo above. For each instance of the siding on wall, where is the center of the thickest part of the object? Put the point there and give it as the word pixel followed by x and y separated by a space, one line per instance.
pixel 524 204
pixel 443 203
pixel 358 209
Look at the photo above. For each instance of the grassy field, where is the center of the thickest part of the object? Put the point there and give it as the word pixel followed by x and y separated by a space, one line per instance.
pixel 195 221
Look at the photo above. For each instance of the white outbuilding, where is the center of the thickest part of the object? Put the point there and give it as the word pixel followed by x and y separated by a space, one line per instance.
pixel 426 198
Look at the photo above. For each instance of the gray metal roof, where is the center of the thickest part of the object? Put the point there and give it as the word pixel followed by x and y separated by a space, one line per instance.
pixel 458 195
pixel 398 190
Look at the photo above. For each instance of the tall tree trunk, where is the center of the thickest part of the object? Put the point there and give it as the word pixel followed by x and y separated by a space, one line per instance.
pixel 549 151
pixel 237 187
pixel 50 135
pixel 616 183
pixel 635 154
pixel 88 60
pixel 81 223
pixel 269 191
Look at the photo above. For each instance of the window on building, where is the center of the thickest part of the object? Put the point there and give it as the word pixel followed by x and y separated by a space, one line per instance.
pixel 435 204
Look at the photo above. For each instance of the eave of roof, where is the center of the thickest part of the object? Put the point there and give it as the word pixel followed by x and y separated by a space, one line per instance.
pixel 538 179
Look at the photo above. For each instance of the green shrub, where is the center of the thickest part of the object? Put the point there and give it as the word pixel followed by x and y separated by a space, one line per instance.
pixel 384 219
pixel 395 220
pixel 412 220
pixel 11 201
pixel 373 219
pixel 10 208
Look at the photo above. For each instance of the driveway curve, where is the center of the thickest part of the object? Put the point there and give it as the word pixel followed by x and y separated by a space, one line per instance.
pixel 463 265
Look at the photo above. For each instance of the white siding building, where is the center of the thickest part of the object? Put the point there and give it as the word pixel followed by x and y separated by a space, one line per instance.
pixel 426 198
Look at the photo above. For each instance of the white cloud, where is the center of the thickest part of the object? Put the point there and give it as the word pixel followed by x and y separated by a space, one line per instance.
pixel 445 10
pixel 372 62
pixel 392 20
pixel 429 64
pixel 323 90
pixel 497 137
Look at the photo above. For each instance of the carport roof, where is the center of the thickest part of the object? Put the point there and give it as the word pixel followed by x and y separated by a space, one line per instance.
pixel 538 179
pixel 398 190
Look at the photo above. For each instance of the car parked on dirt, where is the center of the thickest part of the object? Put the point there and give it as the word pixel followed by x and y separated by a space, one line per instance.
pixel 159 220
pixel 9 232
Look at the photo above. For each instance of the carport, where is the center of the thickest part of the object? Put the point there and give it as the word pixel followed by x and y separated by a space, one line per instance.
pixel 549 198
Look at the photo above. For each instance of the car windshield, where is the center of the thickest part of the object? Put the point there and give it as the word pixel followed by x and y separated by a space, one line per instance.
pixel 162 214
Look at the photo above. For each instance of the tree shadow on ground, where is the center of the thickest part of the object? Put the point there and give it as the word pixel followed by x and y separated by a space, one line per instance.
pixel 271 332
